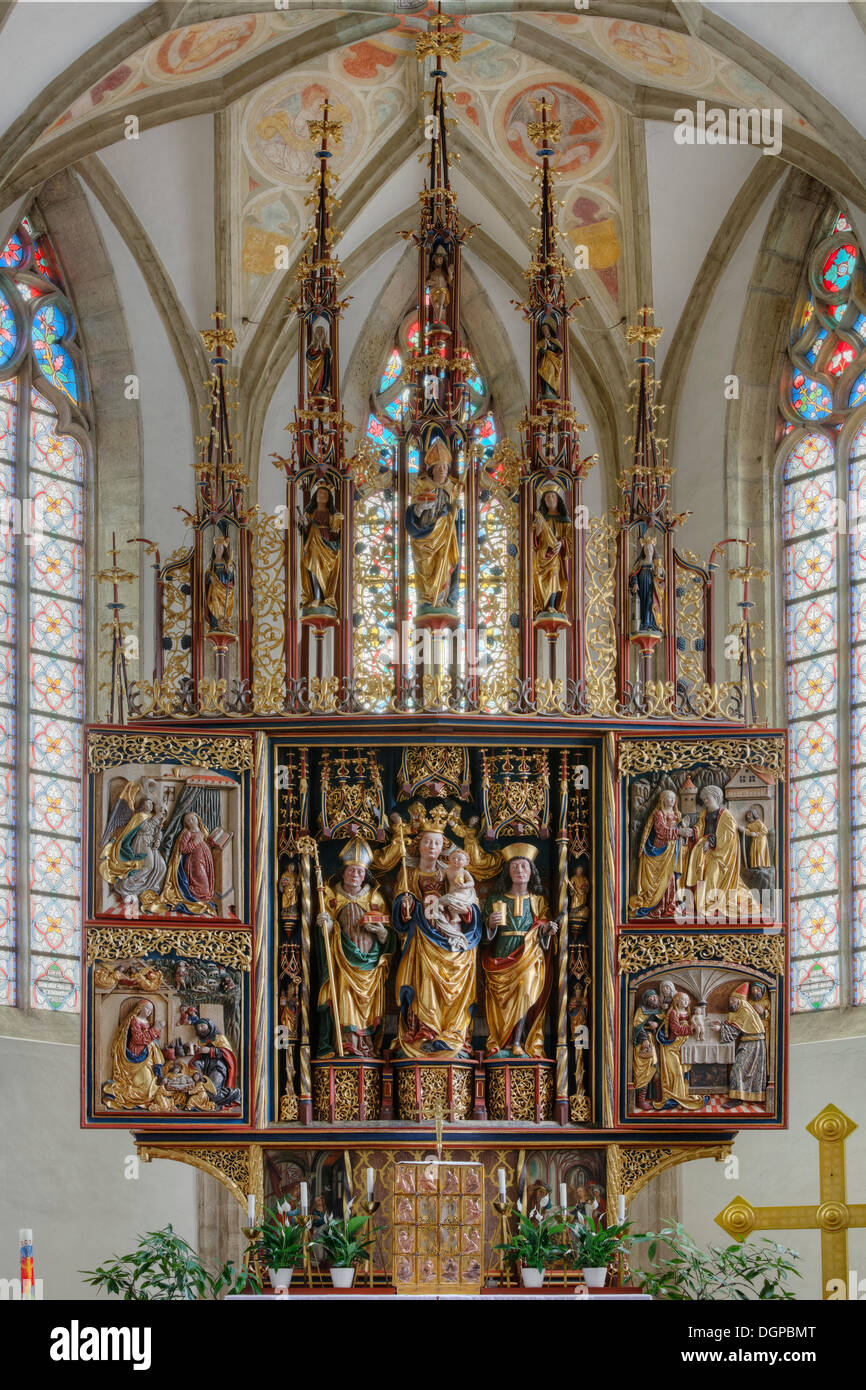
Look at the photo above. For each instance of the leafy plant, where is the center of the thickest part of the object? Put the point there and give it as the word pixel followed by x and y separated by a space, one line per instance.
pixel 280 1242
pixel 165 1267
pixel 751 1269
pixel 534 1244
pixel 596 1245
pixel 338 1238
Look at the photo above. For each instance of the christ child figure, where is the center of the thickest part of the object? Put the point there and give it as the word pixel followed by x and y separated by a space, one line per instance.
pixel 450 910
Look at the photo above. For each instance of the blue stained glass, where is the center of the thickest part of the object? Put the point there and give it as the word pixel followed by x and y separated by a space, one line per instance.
pixel 55 686
pixel 50 452
pixel 54 804
pixel 54 865
pixel 810 505
pixel 7 918
pixel 859 923
pixel 839 267
pixel 385 438
pixel 812 626
pixel 7 977
pixel 54 925
pixel 50 329
pixel 812 452
pixel 814 747
pixel 859 963
pixel 57 506
pixel 811 353
pixel 809 398
pixel 816 983
pixel 860 326
pixel 7 857
pixel 812 685
pixel 837 313
pixel 814 806
pixel 13 253
pixel 810 565
pixel 858 608
pixel 56 565
pixel 8 331
pixel 814 925
pixel 393 368
pixel 54 746
pixel 56 984
pixel 816 869
pixel 858 391
pixel 8 414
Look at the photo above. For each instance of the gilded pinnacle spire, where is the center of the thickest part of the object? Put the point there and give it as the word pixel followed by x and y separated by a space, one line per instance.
pixel 645 487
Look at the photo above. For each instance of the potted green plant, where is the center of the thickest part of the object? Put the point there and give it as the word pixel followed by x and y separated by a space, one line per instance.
pixel 165 1267
pixel 749 1269
pixel 281 1243
pixel 535 1248
pixel 343 1249
pixel 595 1246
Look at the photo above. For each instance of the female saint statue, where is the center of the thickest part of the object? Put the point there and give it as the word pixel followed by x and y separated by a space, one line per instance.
pixel 553 548
pixel 436 974
pixel 518 958
pixel 548 361
pixel 646 583
pixel 136 1058
pixel 439 278
pixel 321 556
pixel 219 585
pixel 318 358
pixel 432 524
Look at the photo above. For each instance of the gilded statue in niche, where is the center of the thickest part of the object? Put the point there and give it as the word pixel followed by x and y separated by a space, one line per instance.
pixel 552 548
pixel 356 944
pixel 436 985
pixel 548 360
pixel 318 359
pixel 321 554
pixel 432 525
pixel 646 585
pixel 518 957
pixel 219 583
pixel 440 276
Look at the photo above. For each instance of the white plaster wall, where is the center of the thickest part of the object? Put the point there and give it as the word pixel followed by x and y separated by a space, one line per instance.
pixel 168 430
pixel 46 38
pixel 781 1168
pixel 398 191
pixel 699 452
pixel 820 40
pixel 67 1184
pixel 167 175
pixel 690 189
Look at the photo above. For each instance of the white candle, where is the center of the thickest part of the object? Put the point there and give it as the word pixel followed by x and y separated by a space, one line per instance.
pixel 304 1206
pixel 563 1196
pixel 620 1209
pixel 371 1178
pixel 502 1184
pixel 251 1209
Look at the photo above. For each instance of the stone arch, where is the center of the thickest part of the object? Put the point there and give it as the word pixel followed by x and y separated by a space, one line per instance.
pixel 115 483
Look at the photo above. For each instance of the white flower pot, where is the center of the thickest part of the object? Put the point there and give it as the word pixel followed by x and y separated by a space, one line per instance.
pixel 281 1278
pixel 532 1278
pixel 595 1276
pixel 342 1278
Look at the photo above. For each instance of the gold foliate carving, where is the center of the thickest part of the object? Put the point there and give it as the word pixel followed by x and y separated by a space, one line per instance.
pixel 211 696
pixel 639 1165
pixel 600 617
pixel 522 1080
pixel 550 696
pixel 233 1167
pixel 759 950
pixel 267 555
pixel 324 693
pixel 442 764
pixel 288 1107
pixel 434 1091
pixel 176 624
pixel 221 753
pixel 579 1110
pixel 347 1092
pixel 654 755
pixel 690 621
pixel 232 948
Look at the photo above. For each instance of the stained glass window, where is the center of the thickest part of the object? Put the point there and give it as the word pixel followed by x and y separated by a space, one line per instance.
pixel 378 611
pixel 42 509
pixel 824 576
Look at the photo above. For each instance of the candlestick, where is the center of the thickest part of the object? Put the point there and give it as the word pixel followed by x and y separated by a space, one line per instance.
pixel 620 1209
pixel 503 1208
pixel 563 1196
pixel 369 1208
pixel 371 1180
pixel 304 1199
pixel 251 1208
pixel 305 1220
pixel 502 1196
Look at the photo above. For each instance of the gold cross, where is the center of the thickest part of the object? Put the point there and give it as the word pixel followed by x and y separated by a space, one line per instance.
pixel 833 1217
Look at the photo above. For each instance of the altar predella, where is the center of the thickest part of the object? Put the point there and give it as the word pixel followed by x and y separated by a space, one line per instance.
pixel 521 867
